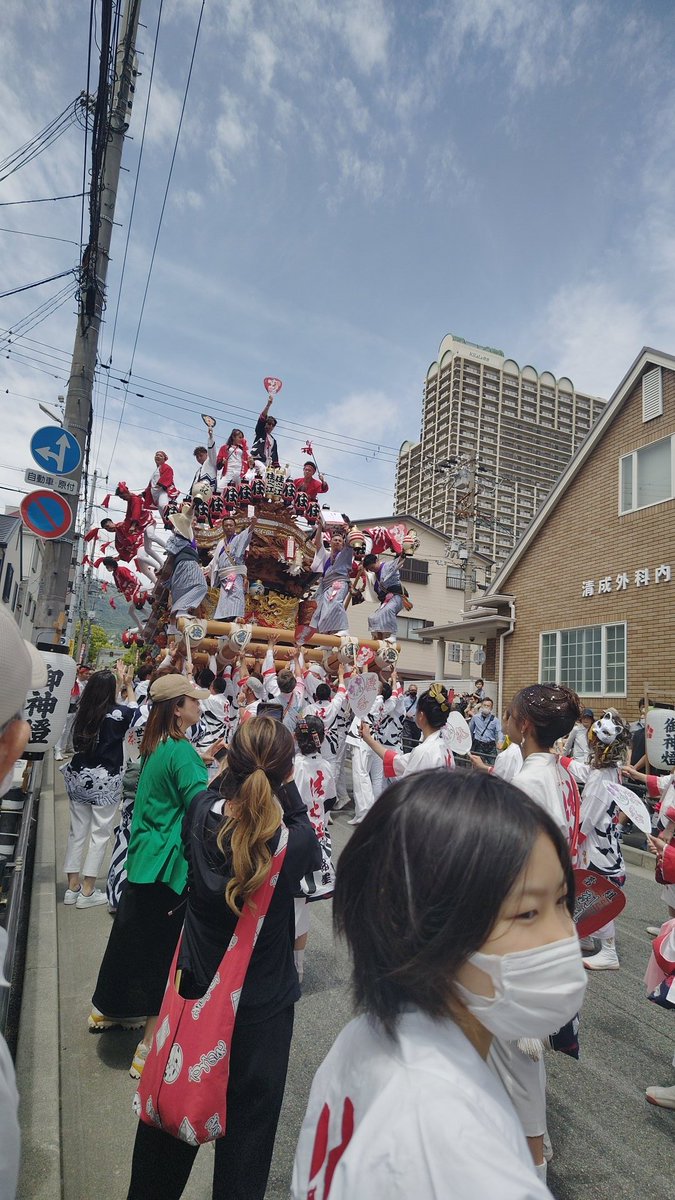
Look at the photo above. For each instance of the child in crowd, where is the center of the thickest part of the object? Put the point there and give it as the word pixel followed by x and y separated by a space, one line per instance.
pixel 599 842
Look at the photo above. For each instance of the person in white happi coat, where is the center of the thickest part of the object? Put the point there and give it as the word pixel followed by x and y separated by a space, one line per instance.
pixel 313 776
pixel 207 470
pixel 334 564
pixel 540 714
pixel 431 715
pixel 404 1105
pixel 286 687
pixel 228 569
pixel 385 720
pixel 328 708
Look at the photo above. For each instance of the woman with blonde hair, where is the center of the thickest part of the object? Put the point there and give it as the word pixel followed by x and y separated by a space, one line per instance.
pixel 230 835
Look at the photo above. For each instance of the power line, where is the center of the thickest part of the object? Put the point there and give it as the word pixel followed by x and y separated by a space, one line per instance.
pixel 129 224
pixel 40 142
pixel 47 237
pixel 42 200
pixel 161 215
pixel 27 286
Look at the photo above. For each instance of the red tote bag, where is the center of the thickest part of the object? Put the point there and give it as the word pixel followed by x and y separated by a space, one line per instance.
pixel 183 1088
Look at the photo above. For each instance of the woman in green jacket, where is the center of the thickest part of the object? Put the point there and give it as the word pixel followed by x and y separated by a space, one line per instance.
pixel 135 966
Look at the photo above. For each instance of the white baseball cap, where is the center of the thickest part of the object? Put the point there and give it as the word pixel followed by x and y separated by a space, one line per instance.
pixel 22 668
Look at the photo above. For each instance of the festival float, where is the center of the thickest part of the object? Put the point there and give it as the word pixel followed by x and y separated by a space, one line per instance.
pixel 279 569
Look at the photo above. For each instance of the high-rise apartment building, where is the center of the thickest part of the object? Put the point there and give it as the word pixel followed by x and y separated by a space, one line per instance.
pixel 520 429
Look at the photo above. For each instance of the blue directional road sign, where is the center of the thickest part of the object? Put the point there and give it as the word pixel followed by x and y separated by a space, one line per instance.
pixel 55 450
pixel 45 513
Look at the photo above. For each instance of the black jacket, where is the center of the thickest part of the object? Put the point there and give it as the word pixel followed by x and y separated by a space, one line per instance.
pixel 271 980
pixel 258 448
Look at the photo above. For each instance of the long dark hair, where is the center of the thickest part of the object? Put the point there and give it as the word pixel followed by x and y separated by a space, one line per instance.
pixel 96 701
pixel 230 440
pixel 259 761
pixel 421 883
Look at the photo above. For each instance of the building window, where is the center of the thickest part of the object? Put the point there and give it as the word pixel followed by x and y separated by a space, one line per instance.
pixel 590 660
pixel 408 628
pixel 454 578
pixel 454 652
pixel 652 394
pixel 415 570
pixel 646 475
pixel 7 587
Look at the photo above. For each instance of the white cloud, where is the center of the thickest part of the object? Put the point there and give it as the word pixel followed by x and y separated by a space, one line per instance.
pixel 592 332
pixel 164 113
pixel 234 132
pixel 538 40
pixel 365 27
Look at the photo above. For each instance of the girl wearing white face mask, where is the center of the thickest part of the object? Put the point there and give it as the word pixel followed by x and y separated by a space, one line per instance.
pixel 454 896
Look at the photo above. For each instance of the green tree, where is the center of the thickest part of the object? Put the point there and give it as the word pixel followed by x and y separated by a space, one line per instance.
pixel 98 640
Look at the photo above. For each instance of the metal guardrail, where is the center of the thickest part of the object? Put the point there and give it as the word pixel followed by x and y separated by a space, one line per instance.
pixel 17 875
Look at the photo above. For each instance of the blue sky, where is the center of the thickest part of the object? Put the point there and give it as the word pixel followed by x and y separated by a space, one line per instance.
pixel 354 180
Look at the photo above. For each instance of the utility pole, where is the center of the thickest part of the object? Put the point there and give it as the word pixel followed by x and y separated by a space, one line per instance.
pixel 58 564
pixel 82 589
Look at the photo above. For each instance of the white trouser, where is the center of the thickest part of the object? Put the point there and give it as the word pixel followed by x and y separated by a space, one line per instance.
pixel 146 568
pixel 62 744
pixel 524 1079
pixel 150 539
pixel 96 823
pixel 136 617
pixel 233 476
pixel 341 772
pixel 377 775
pixel 365 779
pixel 301 916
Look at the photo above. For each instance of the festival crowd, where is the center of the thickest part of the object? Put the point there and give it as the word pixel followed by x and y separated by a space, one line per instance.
pixel 455 892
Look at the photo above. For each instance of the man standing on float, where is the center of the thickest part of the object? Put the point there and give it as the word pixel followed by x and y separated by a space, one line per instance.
pixel 264 452
pixel 334 564
pixel 228 569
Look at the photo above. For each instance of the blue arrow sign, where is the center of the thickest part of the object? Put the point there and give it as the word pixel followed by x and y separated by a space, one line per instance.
pixel 55 450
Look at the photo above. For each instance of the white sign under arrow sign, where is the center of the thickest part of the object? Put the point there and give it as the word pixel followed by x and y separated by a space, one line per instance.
pixel 60 483
pixel 55 450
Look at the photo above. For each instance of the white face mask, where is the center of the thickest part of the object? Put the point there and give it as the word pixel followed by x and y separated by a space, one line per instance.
pixel 486 710
pixel 536 991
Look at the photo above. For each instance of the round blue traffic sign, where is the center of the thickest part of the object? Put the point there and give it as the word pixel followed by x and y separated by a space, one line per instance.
pixel 55 450
pixel 46 514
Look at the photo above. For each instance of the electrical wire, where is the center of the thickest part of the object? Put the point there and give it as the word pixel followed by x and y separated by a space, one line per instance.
pixel 129 225
pixel 174 398
pixel 36 316
pixel 42 199
pixel 86 123
pixel 46 236
pixel 161 216
pixel 40 142
pixel 38 283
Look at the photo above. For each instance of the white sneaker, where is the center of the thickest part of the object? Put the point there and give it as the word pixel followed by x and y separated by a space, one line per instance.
pixel 71 895
pixel 606 959
pixel 653 930
pixel 342 802
pixel 355 821
pixel 97 897
pixel 662 1097
pixel 58 757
